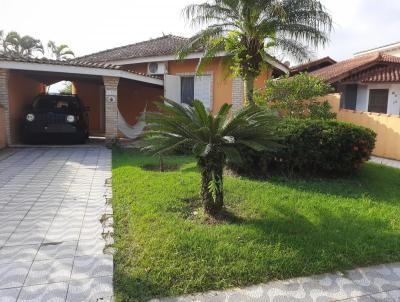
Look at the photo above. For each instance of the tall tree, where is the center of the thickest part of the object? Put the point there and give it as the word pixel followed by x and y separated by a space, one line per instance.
pixel 215 139
pixel 23 46
pixel 60 52
pixel 249 30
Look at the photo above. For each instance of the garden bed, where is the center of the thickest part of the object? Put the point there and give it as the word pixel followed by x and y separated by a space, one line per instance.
pixel 277 229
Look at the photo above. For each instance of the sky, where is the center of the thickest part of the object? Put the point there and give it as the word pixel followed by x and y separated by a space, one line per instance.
pixel 92 25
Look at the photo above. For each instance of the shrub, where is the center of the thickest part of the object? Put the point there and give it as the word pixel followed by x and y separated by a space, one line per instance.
pixel 312 147
pixel 297 96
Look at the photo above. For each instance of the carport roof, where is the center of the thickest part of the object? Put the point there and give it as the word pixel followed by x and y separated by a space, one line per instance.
pixel 74 67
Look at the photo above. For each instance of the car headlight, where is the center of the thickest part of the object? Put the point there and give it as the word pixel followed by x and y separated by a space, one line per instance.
pixel 70 118
pixel 30 117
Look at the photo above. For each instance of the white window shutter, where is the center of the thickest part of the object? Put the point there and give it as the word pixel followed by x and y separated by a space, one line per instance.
pixel 202 90
pixel 172 88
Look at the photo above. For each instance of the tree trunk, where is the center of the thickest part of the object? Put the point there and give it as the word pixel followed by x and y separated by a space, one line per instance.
pixel 249 91
pixel 213 198
pixel 162 168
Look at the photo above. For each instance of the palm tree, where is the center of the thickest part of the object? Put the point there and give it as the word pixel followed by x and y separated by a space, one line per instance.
pixel 215 139
pixel 60 52
pixel 22 46
pixel 249 30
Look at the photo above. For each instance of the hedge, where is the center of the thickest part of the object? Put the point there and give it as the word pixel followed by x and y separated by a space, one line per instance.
pixel 313 147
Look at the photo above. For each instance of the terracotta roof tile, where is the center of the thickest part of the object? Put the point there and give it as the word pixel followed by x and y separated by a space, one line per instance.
pixel 166 45
pixel 387 74
pixel 308 65
pixel 349 67
pixel 75 63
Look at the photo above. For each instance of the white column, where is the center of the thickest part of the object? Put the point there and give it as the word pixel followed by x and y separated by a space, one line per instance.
pixel 237 94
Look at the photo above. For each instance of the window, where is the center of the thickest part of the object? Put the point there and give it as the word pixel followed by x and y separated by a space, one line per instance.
pixel 196 88
pixel 378 100
pixel 187 90
pixel 350 97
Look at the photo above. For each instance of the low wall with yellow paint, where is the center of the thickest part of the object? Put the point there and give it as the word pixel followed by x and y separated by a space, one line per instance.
pixel 387 128
pixel 3 141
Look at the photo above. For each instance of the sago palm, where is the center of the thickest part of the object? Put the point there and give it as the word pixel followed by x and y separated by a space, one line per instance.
pixel 60 52
pixel 247 32
pixel 215 139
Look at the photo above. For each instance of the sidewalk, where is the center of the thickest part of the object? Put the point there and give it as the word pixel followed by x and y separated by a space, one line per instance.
pixel 386 162
pixel 376 283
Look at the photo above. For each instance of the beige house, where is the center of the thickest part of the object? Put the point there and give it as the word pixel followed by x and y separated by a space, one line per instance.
pixel 368 94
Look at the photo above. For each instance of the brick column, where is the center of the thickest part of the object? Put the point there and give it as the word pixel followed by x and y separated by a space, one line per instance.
pixel 4 101
pixel 237 94
pixel 111 107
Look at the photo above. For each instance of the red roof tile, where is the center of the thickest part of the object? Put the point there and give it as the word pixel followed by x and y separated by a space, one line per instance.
pixel 387 74
pixel 347 68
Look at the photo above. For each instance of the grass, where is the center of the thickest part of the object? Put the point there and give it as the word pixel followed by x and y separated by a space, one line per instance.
pixel 283 228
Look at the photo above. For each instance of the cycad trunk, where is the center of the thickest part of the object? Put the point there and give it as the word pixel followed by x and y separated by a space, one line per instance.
pixel 212 191
pixel 249 91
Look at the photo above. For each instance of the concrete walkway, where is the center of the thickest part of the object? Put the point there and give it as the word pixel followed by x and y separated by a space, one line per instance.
pixel 387 162
pixel 377 283
pixel 51 238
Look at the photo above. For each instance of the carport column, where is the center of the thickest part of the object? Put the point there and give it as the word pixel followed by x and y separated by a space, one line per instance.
pixel 111 107
pixel 237 94
pixel 4 101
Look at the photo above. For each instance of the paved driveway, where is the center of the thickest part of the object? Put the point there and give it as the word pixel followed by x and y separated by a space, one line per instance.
pixel 51 238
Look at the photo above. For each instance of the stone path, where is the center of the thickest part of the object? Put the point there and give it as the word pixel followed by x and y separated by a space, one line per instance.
pixel 51 238
pixel 386 162
pixel 378 283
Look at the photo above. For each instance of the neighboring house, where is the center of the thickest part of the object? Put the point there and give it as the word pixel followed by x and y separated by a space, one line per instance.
pixel 119 84
pixel 368 87
pixel 312 65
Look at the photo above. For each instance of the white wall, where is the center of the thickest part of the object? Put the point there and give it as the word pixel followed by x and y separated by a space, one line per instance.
pixel 395 52
pixel 393 102
pixel 362 98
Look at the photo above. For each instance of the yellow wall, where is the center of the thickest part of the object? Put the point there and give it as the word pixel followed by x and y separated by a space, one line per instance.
pixel 386 126
pixel 3 141
pixel 91 95
pixel 222 81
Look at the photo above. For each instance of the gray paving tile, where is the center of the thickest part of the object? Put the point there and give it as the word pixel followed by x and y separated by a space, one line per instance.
pixel 13 274
pixel 90 247
pixel 49 271
pixel 9 295
pixel 9 254
pixel 94 289
pixel 377 278
pixel 92 266
pixel 42 208
pixel 57 250
pixel 55 292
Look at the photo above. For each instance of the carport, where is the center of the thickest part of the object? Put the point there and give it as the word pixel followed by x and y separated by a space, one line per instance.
pixel 114 96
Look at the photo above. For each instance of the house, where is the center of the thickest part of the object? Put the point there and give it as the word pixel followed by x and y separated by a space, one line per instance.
pixel 368 94
pixel 119 84
pixel 312 65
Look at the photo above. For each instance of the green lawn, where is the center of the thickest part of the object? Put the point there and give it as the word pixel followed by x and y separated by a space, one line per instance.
pixel 282 228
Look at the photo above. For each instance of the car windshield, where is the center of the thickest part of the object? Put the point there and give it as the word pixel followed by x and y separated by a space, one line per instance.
pixel 56 104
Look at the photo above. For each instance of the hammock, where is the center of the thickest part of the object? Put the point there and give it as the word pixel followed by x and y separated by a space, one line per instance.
pixel 130 131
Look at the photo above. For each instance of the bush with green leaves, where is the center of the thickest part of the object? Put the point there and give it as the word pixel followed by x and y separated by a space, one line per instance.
pixel 312 147
pixel 296 97
pixel 214 139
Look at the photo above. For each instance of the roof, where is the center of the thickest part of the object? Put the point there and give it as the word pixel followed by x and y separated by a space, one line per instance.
pixel 386 74
pixel 166 45
pixel 386 47
pixel 77 66
pixel 150 50
pixel 313 65
pixel 344 69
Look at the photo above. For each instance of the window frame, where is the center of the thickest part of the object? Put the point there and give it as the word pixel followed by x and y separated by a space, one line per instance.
pixel 370 94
